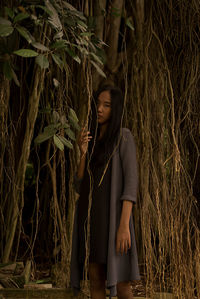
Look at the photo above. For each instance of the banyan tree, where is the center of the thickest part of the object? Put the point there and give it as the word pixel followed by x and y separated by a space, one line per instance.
pixel 53 55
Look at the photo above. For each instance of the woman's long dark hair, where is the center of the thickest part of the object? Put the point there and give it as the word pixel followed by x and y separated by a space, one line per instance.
pixel 106 144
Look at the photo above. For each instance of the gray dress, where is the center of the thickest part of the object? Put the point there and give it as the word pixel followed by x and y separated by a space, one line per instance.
pixel 123 187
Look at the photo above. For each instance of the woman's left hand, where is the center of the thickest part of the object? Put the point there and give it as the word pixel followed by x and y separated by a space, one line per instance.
pixel 123 242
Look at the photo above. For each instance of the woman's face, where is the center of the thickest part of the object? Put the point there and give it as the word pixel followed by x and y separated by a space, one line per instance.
pixel 104 107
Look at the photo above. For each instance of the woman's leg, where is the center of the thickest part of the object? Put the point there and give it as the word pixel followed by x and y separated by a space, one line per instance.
pixel 124 290
pixel 97 277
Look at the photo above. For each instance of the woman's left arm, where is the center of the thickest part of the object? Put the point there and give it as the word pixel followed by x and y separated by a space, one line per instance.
pixel 123 233
pixel 129 166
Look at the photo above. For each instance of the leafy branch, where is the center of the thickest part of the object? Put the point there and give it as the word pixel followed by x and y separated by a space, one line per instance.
pixel 59 127
pixel 71 35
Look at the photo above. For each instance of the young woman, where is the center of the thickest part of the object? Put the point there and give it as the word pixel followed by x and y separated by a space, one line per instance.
pixel 108 169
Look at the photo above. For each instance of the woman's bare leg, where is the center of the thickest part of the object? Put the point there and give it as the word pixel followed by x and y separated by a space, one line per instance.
pixel 97 279
pixel 124 290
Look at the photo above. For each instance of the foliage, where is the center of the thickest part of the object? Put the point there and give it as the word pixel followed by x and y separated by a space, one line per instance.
pixel 71 36
pixel 40 44
pixel 57 128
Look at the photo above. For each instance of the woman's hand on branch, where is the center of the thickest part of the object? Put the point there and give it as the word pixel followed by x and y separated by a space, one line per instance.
pixel 83 141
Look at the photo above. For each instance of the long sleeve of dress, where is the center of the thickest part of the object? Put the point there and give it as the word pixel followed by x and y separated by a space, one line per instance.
pixel 129 166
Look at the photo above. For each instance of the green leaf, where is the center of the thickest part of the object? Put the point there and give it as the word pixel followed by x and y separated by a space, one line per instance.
pixel 39 46
pixel 69 22
pixel 59 44
pixel 56 117
pixel 5 22
pixel 82 25
pixel 58 125
pixel 96 58
pixel 7 70
pixel 51 129
pixel 101 54
pixel 21 16
pixel 5 30
pixel 14 76
pixel 73 55
pixel 54 19
pixel 86 34
pixel 82 41
pixel 66 126
pixel 45 280
pixel 58 61
pixel 73 119
pixel 129 24
pixel 42 61
pixel 43 137
pixel 99 70
pixel 26 53
pixel 9 12
pixel 25 33
pixel 65 142
pixel 70 133
pixel 74 11
pixel 83 50
pixel 63 119
pixel 58 35
pixel 72 114
pixel 74 124
pixel 58 142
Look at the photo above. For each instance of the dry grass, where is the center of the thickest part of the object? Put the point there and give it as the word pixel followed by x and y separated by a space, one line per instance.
pixel 163 109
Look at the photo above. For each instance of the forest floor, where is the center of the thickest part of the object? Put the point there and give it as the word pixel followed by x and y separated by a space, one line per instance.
pixel 58 294
pixel 16 281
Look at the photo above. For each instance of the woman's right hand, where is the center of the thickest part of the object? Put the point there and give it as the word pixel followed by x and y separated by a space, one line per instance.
pixel 83 140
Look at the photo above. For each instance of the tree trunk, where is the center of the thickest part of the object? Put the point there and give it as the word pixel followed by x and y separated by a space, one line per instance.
pixel 99 14
pixel 18 188
pixel 113 37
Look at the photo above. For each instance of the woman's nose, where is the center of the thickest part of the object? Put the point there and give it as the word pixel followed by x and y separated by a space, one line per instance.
pixel 99 108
